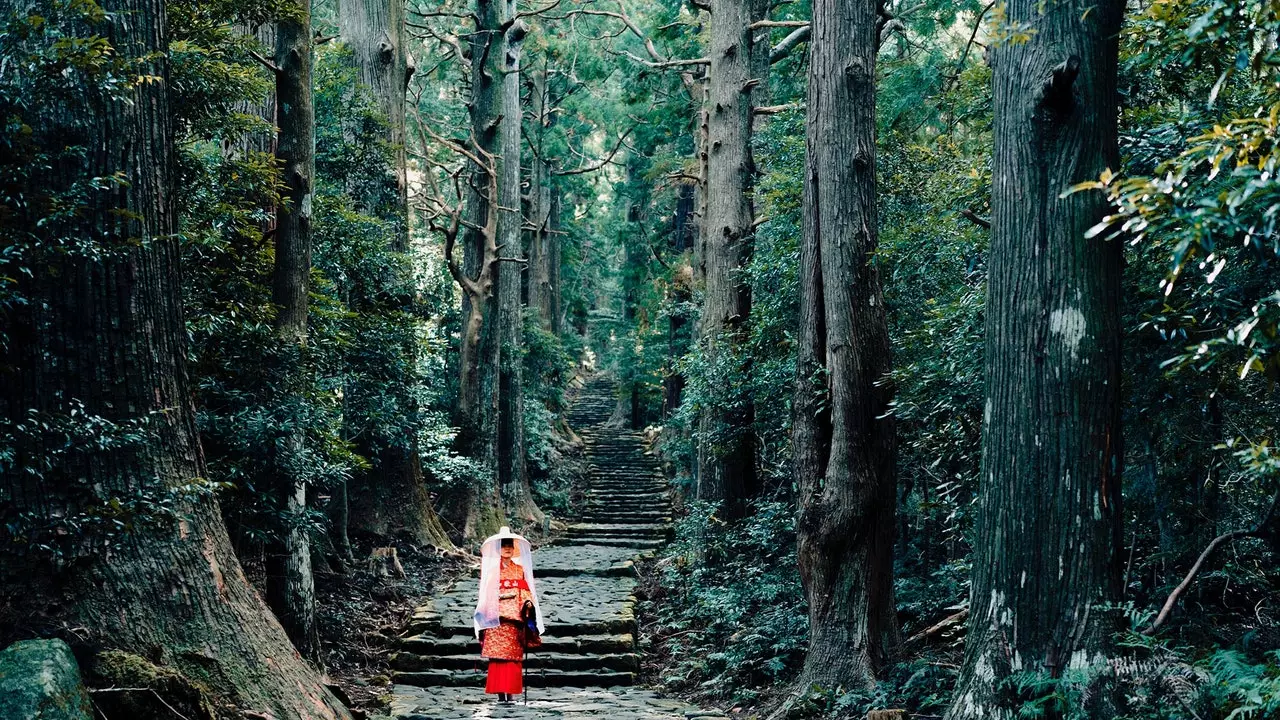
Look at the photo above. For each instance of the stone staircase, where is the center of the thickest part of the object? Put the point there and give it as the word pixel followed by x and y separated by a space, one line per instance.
pixel 586 579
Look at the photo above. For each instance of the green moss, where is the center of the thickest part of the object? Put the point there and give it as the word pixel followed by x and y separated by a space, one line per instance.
pixel 167 689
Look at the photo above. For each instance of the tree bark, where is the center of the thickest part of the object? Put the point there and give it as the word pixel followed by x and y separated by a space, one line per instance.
pixel 393 498
pixel 542 236
pixel 1049 515
pixel 513 476
pixel 843 440
pixel 726 464
pixel 554 225
pixel 481 377
pixel 104 337
pixel 682 238
pixel 290 584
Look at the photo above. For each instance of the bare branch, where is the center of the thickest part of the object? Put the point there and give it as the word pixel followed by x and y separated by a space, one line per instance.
pixel 977 23
pixel 972 217
pixel 777 23
pixel 775 109
pixel 788 43
pixel 265 62
pixel 534 13
pixel 608 159
pixel 1259 530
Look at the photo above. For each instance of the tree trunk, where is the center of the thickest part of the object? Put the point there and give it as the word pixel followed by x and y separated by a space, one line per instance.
pixel 726 451
pixel 554 225
pixel 682 232
pixel 481 381
pixel 541 237
pixel 1048 521
pixel 513 477
pixel 290 585
pixel 843 441
pixel 393 497
pixel 103 337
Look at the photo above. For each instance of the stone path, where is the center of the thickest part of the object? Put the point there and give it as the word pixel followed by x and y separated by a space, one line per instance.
pixel 588 662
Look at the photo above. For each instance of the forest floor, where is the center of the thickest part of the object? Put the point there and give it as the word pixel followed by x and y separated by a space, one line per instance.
pixel 360 613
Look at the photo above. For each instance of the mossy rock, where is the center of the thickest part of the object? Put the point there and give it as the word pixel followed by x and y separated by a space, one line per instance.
pixel 40 680
pixel 134 687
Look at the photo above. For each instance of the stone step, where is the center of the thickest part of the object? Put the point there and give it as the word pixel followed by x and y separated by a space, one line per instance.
pixel 644 488
pixel 626 496
pixel 536 660
pixel 642 509
pixel 625 518
pixel 467 644
pixel 626 491
pixel 650 514
pixel 661 506
pixel 621 625
pixel 619 496
pixel 541 678
pixel 615 542
pixel 610 530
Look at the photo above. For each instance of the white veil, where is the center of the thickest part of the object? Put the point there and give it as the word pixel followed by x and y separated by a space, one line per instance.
pixel 490 556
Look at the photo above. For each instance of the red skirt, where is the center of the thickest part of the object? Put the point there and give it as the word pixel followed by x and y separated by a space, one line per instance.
pixel 505 676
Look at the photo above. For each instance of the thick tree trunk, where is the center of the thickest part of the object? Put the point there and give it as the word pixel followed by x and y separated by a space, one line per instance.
pixel 290 585
pixel 1049 514
pixel 542 236
pixel 843 441
pixel 103 337
pixel 726 464
pixel 374 32
pixel 481 377
pixel 392 497
pixel 513 477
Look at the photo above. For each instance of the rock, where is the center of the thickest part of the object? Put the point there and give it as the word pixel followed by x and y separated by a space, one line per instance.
pixel 40 680
pixel 887 715
pixel 134 687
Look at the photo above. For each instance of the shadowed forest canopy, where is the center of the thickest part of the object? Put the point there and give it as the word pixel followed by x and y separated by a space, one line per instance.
pixel 953 327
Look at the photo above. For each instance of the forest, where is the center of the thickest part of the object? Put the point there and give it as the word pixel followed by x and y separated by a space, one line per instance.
pixel 949 328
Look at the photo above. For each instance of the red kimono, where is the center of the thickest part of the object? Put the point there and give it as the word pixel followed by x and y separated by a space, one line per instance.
pixel 503 645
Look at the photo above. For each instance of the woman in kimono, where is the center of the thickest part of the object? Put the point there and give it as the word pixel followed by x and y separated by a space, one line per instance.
pixel 508 602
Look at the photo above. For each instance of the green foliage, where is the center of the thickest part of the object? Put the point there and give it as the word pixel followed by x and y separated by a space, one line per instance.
pixel 730 614
pixel 548 367
pixel 57 67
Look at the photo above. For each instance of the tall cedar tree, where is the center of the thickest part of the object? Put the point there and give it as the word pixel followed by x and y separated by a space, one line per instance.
pixel 513 476
pixel 105 330
pixel 1049 506
pixel 491 383
pixel 843 440
pixel 290 583
pixel 726 452
pixel 392 495
pixel 544 244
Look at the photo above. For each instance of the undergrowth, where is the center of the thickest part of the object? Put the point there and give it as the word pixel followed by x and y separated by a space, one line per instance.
pixel 725 615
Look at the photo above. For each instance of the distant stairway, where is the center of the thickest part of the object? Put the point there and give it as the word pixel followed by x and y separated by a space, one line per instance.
pixel 586 579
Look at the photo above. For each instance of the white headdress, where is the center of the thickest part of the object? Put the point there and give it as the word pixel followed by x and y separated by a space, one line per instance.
pixel 491 571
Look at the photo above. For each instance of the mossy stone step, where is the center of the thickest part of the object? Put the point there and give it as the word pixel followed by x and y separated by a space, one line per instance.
pixel 536 660
pixel 648 515
pixel 611 530
pixel 467 644
pixel 622 625
pixel 542 678
pixel 615 542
